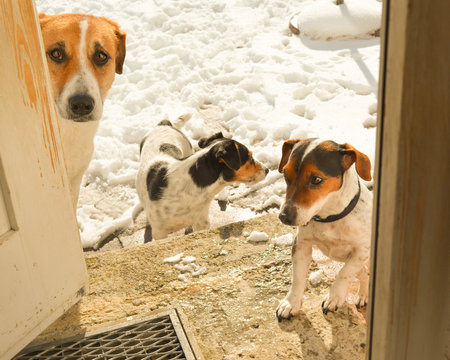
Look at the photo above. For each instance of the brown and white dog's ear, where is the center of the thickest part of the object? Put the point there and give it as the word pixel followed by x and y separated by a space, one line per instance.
pixel 121 37
pixel 351 155
pixel 120 58
pixel 43 18
pixel 286 152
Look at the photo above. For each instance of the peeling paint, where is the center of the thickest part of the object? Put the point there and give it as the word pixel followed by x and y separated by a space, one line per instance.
pixel 30 69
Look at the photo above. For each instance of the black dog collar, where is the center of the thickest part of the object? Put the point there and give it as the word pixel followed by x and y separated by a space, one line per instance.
pixel 344 213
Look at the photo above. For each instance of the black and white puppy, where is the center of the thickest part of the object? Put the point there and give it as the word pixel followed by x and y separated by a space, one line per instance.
pixel 176 185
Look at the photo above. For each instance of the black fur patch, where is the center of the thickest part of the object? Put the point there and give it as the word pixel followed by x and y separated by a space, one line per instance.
pixel 234 155
pixel 148 234
pixel 327 161
pixel 205 171
pixel 204 142
pixel 298 154
pixel 157 180
pixel 164 123
pixel 171 150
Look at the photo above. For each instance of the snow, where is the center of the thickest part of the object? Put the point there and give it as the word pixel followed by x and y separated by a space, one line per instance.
pixel 315 278
pixel 187 268
pixel 188 259
pixel 283 240
pixel 174 259
pixel 236 56
pixel 352 19
pixel 258 237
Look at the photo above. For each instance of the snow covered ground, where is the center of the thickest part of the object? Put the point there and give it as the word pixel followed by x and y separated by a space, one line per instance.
pixel 235 56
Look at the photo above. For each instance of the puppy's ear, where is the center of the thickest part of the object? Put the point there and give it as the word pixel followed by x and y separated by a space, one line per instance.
pixel 351 155
pixel 229 153
pixel 204 142
pixel 286 152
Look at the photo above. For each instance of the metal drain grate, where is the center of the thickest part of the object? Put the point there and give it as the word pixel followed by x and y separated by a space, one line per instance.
pixel 158 337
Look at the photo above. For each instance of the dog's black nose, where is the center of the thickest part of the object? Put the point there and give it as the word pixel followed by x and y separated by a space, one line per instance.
pixel 81 104
pixel 267 171
pixel 287 217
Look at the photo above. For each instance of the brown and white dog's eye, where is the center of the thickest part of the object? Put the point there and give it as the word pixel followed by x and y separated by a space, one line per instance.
pixel 100 58
pixel 316 180
pixel 57 55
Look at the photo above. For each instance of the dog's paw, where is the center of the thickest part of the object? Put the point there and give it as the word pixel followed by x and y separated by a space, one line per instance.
pixel 362 300
pixel 288 308
pixel 332 303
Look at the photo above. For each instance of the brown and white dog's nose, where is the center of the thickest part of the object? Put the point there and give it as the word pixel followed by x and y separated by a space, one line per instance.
pixel 287 216
pixel 81 104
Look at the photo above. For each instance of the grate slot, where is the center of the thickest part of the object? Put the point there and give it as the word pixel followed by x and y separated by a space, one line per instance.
pixel 154 338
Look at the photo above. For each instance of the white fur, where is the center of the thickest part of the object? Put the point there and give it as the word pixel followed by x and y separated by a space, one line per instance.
pixel 78 146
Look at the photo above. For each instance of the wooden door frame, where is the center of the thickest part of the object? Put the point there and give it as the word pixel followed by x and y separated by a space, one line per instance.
pixel 42 266
pixel 409 312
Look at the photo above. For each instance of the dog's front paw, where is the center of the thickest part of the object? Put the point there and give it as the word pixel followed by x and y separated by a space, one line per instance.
pixel 288 308
pixel 362 300
pixel 332 302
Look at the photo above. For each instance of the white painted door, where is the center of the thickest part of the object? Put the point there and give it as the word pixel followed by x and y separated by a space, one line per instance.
pixel 42 268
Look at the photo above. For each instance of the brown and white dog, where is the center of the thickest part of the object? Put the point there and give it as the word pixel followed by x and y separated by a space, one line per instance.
pixel 83 54
pixel 332 210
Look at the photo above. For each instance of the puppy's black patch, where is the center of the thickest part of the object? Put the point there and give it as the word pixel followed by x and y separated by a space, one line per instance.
pixel 157 180
pixel 165 123
pixel 205 171
pixel 206 141
pixel 148 234
pixel 171 150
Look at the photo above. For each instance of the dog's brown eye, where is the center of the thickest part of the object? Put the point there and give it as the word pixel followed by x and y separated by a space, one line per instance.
pixel 100 58
pixel 57 55
pixel 316 180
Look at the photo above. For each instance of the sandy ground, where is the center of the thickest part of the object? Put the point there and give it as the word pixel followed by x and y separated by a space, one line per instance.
pixel 230 308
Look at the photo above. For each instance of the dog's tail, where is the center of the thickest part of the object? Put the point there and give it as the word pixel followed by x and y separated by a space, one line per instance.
pixel 181 120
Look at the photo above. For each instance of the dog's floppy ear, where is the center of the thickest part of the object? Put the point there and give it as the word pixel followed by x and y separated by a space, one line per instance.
pixel 204 142
pixel 351 155
pixel 286 152
pixel 121 49
pixel 121 37
pixel 43 19
pixel 42 16
pixel 228 153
